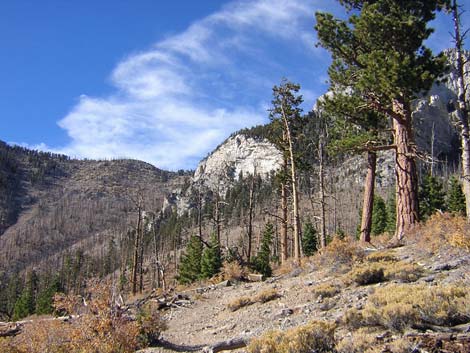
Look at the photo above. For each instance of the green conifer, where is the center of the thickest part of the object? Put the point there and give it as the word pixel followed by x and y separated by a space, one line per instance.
pixel 379 216
pixel 455 197
pixel 190 265
pixel 261 262
pixel 391 207
pixel 46 297
pixel 309 239
pixel 431 196
pixel 211 259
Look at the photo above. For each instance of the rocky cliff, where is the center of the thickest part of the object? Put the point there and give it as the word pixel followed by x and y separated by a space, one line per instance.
pixel 238 156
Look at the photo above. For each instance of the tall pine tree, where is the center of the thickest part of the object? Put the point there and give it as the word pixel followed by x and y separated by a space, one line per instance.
pixel 379 54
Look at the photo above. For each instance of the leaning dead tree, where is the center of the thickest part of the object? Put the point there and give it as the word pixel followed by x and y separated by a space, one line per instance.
pixel 462 109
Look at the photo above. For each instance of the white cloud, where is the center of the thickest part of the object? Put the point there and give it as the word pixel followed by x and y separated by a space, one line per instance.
pixel 177 100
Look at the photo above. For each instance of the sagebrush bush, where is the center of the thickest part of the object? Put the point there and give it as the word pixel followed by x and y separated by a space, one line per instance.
pixel 368 275
pixel 361 341
pixel 326 290
pixel 376 272
pixel 233 271
pixel 380 256
pixel 262 297
pixel 400 306
pixel 316 336
pixel 340 254
pixel 239 303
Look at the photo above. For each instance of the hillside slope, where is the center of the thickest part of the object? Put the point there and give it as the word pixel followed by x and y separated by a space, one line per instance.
pixel 51 203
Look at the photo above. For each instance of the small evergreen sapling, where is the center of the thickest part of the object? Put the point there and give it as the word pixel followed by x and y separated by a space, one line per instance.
pixel 379 216
pixel 261 262
pixel 190 266
pixel 455 197
pixel 431 196
pixel 309 239
pixel 211 259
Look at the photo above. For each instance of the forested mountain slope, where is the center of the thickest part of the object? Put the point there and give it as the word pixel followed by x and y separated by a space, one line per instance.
pixel 51 203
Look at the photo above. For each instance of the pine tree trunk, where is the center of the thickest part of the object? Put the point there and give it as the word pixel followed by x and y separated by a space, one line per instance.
pixel 295 196
pixel 284 253
pixel 462 110
pixel 405 170
pixel 367 207
pixel 321 192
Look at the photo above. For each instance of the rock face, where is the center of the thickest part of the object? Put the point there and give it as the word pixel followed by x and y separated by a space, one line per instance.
pixel 433 124
pixel 432 113
pixel 237 156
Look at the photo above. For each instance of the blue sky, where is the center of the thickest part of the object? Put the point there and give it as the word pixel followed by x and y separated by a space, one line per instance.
pixel 160 81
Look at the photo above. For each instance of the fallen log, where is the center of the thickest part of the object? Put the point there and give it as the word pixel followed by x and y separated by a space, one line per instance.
pixel 9 329
pixel 442 342
pixel 228 345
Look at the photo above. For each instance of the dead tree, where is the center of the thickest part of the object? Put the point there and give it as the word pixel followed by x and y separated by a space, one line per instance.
pixel 462 110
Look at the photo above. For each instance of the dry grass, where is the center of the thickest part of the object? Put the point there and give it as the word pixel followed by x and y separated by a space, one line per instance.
pixel 233 271
pixel 441 231
pixel 339 255
pixel 380 256
pixel 262 297
pixel 368 275
pixel 317 336
pixel 286 268
pixel 361 341
pixel 326 290
pixel 381 271
pixel 400 306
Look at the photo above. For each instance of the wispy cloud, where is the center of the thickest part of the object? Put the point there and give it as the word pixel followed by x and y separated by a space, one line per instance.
pixel 178 99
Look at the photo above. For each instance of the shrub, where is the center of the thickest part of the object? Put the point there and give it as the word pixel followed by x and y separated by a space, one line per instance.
pixel 379 256
pixel 361 341
pixel 365 276
pixel 400 306
pixel 239 303
pixel 233 271
pixel 150 324
pixel 317 336
pixel 326 290
pixel 340 254
pixel 266 296
pixel 263 297
pixel 99 329
pixel 441 231
pixel 376 272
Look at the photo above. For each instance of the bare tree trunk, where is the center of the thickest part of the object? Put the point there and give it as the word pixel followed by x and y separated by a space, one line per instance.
pixel 462 110
pixel 295 196
pixel 135 261
pixel 321 187
pixel 141 260
pixel 250 217
pixel 405 170
pixel 367 208
pixel 284 253
pixel 199 212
